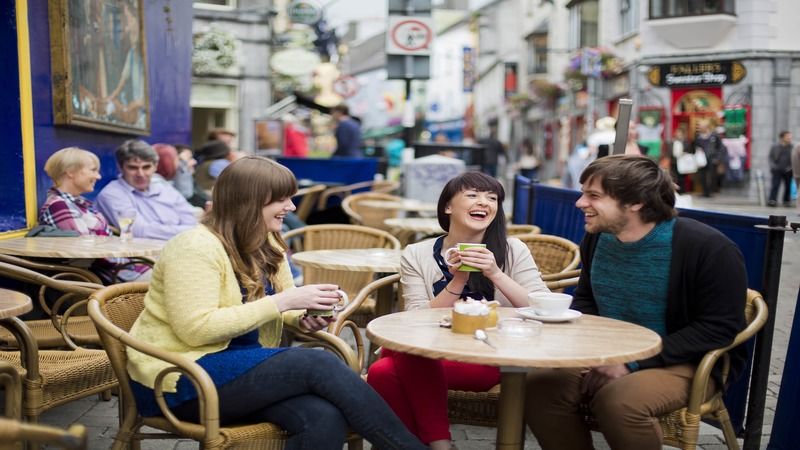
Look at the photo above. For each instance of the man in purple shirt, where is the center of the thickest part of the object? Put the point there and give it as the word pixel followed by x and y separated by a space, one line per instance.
pixel 161 211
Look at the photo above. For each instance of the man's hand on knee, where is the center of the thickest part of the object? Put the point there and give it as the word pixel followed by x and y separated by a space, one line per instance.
pixel 597 377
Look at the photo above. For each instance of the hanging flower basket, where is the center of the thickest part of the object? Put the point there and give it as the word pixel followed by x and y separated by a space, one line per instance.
pixel 609 66
pixel 214 52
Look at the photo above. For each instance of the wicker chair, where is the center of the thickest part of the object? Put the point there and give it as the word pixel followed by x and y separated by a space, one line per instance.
pixel 513 229
pixel 308 201
pixel 385 187
pixel 53 377
pixel 343 321
pixel 61 330
pixel 552 254
pixel 114 309
pixel 337 236
pixel 368 216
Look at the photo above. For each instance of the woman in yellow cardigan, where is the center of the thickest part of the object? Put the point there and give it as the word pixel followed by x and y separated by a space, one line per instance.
pixel 220 294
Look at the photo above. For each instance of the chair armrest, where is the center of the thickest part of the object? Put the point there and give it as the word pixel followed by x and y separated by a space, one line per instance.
pixel 706 365
pixel 28 348
pixel 576 273
pixel 327 341
pixel 337 325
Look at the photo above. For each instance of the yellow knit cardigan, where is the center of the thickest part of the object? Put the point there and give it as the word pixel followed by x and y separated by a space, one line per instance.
pixel 194 306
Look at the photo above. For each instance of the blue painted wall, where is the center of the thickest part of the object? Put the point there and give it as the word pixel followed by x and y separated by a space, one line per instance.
pixel 12 192
pixel 168 27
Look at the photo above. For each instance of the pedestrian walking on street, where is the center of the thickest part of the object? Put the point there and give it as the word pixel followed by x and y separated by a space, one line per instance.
pixel 710 156
pixel 780 164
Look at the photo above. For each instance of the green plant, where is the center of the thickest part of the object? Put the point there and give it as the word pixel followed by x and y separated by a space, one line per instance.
pixel 214 51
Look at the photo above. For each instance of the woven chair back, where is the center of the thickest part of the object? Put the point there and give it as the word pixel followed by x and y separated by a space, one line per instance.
pixel 337 236
pixel 361 214
pixel 552 254
pixel 513 229
pixel 310 195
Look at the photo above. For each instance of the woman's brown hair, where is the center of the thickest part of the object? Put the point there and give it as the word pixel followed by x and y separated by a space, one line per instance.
pixel 240 193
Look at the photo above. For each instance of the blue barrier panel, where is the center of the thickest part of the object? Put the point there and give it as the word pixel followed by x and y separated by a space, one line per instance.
pixel 786 425
pixel 522 196
pixel 332 170
pixel 556 214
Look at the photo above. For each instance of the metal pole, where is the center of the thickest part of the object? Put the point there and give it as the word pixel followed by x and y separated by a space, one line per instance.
pixel 408 123
pixel 776 229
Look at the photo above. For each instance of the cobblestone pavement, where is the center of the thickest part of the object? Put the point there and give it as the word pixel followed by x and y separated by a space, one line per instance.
pixel 101 417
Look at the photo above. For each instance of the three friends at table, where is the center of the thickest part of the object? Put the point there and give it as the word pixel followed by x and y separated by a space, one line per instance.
pixel 642 264
pixel 220 295
pixel 470 210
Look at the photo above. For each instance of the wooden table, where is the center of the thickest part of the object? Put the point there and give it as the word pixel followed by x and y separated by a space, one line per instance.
pixel 402 205
pixel 12 304
pixel 81 247
pixel 406 229
pixel 380 260
pixel 588 341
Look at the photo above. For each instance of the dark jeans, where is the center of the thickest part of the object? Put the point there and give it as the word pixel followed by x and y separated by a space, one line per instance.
pixel 315 397
pixel 777 178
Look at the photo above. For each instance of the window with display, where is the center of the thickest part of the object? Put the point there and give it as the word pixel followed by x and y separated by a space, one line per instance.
pixel 662 9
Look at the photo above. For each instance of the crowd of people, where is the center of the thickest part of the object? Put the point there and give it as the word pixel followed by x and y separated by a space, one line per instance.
pixel 222 290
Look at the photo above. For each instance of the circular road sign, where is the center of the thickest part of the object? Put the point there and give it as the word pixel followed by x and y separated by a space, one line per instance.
pixel 346 86
pixel 411 35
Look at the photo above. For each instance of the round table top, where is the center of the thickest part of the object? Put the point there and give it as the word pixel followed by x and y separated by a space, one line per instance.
pixel 385 260
pixel 426 225
pixel 402 205
pixel 81 247
pixel 13 303
pixel 586 342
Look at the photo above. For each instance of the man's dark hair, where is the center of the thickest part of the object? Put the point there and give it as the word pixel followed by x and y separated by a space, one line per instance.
pixel 633 179
pixel 341 108
pixel 783 134
pixel 135 149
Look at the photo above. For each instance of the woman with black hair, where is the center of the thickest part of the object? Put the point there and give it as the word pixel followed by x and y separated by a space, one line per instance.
pixel 470 210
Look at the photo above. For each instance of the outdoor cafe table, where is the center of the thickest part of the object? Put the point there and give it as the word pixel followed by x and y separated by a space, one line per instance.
pixel 585 342
pixel 405 204
pixel 379 260
pixel 81 247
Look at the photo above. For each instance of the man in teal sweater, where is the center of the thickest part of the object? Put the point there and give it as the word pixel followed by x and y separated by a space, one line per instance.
pixel 642 264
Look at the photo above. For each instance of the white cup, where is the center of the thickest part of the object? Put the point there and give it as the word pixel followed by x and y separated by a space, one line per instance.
pixel 549 303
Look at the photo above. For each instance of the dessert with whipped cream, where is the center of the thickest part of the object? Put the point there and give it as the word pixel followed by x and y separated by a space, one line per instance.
pixel 471 315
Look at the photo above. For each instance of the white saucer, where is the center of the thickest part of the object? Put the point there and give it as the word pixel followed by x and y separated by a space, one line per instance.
pixel 530 313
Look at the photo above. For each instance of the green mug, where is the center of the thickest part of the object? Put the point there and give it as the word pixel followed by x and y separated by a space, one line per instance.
pixel 329 312
pixel 461 246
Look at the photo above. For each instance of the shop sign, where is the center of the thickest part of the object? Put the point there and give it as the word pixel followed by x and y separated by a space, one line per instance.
pixel 710 73
pixel 294 62
pixel 305 12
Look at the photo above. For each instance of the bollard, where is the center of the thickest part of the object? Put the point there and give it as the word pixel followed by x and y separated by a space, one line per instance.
pixel 762 196
pixel 776 226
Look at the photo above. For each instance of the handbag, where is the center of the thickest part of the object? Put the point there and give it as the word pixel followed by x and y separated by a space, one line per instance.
pixel 686 164
pixel 700 158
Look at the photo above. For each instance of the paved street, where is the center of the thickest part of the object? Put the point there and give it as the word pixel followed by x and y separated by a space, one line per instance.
pixel 101 417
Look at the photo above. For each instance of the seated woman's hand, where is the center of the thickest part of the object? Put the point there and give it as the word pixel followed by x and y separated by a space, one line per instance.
pixel 480 258
pixel 311 296
pixel 314 323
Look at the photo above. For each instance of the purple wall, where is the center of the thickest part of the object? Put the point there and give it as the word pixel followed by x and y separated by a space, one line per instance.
pixel 168 27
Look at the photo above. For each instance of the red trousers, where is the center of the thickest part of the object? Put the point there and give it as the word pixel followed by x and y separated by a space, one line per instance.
pixel 416 389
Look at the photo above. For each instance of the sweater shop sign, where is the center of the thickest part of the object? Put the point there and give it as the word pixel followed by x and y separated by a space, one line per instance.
pixel 707 73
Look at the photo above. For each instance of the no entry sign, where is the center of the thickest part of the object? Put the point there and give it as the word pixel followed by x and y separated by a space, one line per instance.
pixel 409 35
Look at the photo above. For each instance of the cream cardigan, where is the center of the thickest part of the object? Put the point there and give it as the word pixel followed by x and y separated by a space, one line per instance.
pixel 194 306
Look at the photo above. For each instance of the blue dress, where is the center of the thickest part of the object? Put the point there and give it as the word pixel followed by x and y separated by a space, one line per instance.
pixel 243 353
